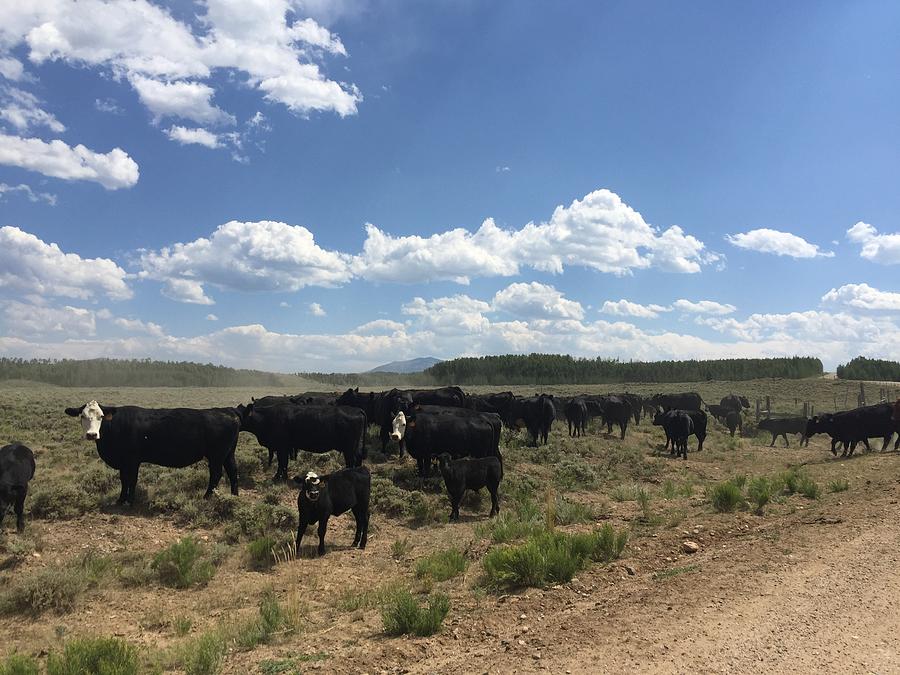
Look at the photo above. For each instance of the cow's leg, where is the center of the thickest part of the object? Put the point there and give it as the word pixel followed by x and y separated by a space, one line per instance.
pixel 495 501
pixel 700 440
pixel 323 526
pixel 131 487
pixel 357 516
pixel 784 436
pixel 774 436
pixel 301 530
pixel 281 472
pixel 866 443
pixel 897 443
pixel 271 457
pixel 623 426
pixel 19 507
pixel 215 475
pixel 887 441
pixel 123 494
pixel 231 470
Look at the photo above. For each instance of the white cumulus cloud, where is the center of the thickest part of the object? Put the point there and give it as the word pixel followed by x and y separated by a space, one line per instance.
pixel 880 248
pixel 188 100
pixel 776 242
pixel 316 309
pixel 245 256
pixel 29 265
pixel 113 170
pixel 627 308
pixel 30 194
pixel 703 307
pixel 23 111
pixel 536 300
pixel 863 296
pixel 193 136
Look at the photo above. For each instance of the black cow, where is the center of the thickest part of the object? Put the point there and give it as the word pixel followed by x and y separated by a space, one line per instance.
pixel 535 413
pixel 851 427
pixel 686 401
pixel 127 436
pixel 331 495
pixel 734 421
pixel 678 425
pixel 471 473
pixel 16 469
pixel 612 409
pixel 719 412
pixel 735 402
pixel 576 416
pixel 491 418
pixel 314 428
pixel 782 426
pixel 428 434
pixel 636 401
pixel 699 421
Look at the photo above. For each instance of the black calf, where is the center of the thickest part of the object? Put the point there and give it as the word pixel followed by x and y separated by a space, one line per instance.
pixel 471 473
pixel 16 469
pixel 331 495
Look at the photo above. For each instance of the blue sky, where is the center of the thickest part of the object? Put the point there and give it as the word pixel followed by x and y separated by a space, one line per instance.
pixel 315 185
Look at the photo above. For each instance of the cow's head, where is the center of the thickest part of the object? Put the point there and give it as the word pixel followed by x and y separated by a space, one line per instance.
pixel 398 426
pixel 92 416
pixel 310 486
pixel 744 402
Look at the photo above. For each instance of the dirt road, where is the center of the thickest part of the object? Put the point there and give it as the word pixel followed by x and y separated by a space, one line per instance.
pixel 814 592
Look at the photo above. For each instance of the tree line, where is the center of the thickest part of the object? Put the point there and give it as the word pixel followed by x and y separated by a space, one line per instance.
pixel 134 373
pixel 862 368
pixel 563 369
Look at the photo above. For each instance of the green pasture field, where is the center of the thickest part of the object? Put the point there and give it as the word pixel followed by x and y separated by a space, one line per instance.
pixel 82 554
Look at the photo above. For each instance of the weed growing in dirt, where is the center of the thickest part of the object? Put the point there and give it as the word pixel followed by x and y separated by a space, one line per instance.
pixel 181 565
pixel 135 570
pixel 55 588
pixel 521 519
pixel 643 499
pixel 574 472
pixel 203 655
pixel 403 615
pixel 809 488
pixel 550 557
pixel 674 572
pixel 839 485
pixel 442 565
pixel 19 664
pixel 568 512
pixel 400 547
pixel 351 600
pixel 291 666
pixel 182 625
pixel 739 480
pixel 725 496
pixel 760 491
pixel 106 656
pixel 790 480
pixel 259 553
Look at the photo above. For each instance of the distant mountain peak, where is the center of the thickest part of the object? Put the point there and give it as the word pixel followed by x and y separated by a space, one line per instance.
pixel 416 365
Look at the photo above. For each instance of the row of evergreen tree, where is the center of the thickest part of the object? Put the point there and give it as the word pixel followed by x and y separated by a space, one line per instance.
pixel 562 369
pixel 862 368
pixel 134 373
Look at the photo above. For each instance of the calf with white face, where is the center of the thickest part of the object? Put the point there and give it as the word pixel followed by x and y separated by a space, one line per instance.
pixel 324 496
pixel 398 427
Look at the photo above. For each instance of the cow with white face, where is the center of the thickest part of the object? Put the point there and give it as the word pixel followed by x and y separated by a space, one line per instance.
pixel 92 416
pixel 128 436
pixel 398 426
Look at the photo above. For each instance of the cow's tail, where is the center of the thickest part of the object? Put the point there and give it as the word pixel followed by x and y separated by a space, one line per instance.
pixel 500 457
pixel 365 427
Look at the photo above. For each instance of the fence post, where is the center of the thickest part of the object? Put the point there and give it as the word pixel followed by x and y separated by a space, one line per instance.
pixel 768 407
pixel 805 408
pixel 757 410
pixel 861 399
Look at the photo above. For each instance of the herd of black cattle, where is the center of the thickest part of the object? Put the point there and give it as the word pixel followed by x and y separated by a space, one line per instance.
pixel 462 431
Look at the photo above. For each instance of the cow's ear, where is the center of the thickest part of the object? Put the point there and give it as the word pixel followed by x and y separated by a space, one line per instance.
pixel 108 412
pixel 298 480
pixel 411 424
pixel 74 412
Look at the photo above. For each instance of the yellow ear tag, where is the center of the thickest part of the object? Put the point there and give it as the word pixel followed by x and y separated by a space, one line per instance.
pixel 410 424
pixel 107 416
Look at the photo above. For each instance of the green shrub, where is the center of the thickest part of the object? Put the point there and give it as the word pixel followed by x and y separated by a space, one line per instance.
pixel 62 500
pixel 403 615
pixel 568 512
pixel 181 564
pixel 760 491
pixel 838 485
pixel 809 488
pixel 400 547
pixel 643 499
pixel 203 655
pixel 725 497
pixel 521 519
pixel 259 553
pixel 739 481
pixel 53 588
pixel 572 472
pixel 442 565
pixel 19 664
pixel 550 557
pixel 790 480
pixel 89 656
pixel 182 625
